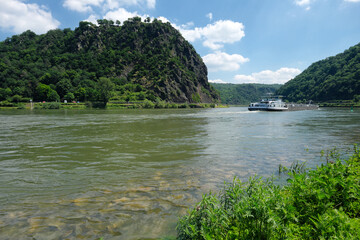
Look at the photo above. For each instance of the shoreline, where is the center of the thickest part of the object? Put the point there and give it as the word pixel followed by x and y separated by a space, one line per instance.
pixel 110 105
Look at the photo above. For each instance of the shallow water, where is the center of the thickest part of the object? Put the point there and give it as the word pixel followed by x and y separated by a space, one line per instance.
pixel 129 174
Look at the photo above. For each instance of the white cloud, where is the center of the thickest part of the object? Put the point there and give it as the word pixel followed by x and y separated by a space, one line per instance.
pixel 245 79
pixel 88 5
pixel 17 16
pixel 269 77
pixel 222 32
pixel 122 15
pixel 217 81
pixel 220 61
pixel 304 3
pixel 190 35
pixel 187 25
pixel 111 4
pixel 151 3
pixel 210 16
pixel 82 5
pixel 92 18
pixel 164 20
pixel 215 35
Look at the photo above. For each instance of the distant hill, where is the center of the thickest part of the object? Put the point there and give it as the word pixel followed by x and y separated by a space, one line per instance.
pixel 334 78
pixel 243 94
pixel 136 60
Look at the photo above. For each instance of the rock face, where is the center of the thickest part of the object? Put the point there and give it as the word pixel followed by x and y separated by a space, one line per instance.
pixel 154 57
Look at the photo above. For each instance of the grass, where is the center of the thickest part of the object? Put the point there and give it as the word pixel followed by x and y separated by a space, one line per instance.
pixel 323 203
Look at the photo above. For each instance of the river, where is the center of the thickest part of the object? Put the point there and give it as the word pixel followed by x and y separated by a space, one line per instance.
pixel 129 174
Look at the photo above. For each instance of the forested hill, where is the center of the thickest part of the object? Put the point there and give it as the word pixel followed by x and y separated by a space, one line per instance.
pixel 142 59
pixel 334 78
pixel 243 94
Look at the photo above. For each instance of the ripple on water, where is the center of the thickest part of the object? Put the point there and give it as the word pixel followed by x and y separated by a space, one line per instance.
pixel 130 174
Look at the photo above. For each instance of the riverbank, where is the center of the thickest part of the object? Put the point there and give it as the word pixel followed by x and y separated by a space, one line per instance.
pixel 110 105
pixel 320 203
pixel 341 103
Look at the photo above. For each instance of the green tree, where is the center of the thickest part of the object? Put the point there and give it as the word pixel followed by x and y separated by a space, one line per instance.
pixel 5 93
pixel 53 96
pixel 41 92
pixel 69 97
pixel 63 87
pixel 80 94
pixel 356 98
pixel 105 89
pixel 16 98
pixel 45 93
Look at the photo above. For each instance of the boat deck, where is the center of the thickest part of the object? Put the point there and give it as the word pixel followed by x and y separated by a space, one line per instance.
pixel 300 107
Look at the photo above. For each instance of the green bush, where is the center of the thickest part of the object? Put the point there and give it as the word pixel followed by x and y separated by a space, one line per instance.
pixel 319 204
pixel 50 105
pixel 134 106
pixel 184 105
pixel 196 97
pixel 148 104
pixel 21 106
pixel 194 105
pixel 160 104
pixel 173 105
pixel 6 103
pixel 16 98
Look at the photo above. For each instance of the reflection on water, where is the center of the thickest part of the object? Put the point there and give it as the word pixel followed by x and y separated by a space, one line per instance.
pixel 130 174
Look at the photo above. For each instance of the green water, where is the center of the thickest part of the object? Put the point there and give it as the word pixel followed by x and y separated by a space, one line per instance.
pixel 129 174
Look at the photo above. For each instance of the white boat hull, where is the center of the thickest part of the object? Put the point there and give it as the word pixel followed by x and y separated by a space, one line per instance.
pixel 275 109
pixel 268 104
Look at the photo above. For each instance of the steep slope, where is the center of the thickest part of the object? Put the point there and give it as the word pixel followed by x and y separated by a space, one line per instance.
pixel 144 60
pixel 334 78
pixel 243 94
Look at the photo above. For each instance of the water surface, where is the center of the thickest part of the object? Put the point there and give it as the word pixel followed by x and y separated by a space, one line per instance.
pixel 129 174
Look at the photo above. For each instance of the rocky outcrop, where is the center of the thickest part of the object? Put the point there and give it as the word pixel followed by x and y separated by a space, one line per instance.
pixel 148 57
pixel 154 55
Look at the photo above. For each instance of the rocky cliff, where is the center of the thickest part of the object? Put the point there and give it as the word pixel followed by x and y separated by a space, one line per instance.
pixel 144 60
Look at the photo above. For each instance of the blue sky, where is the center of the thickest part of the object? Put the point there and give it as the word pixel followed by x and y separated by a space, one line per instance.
pixel 241 41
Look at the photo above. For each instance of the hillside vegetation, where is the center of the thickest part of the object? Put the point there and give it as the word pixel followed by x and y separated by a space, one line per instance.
pixel 323 203
pixel 334 78
pixel 130 62
pixel 243 94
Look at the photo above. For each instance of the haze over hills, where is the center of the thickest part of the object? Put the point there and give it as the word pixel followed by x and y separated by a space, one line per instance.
pixel 243 94
pixel 143 60
pixel 334 78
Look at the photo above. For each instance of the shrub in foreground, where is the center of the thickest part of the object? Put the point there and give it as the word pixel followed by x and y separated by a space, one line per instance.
pixel 319 204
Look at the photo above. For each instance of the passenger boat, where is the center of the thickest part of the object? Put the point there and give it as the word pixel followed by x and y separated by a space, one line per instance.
pixel 269 104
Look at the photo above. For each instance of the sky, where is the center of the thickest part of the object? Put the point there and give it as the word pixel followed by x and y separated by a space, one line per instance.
pixel 240 41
